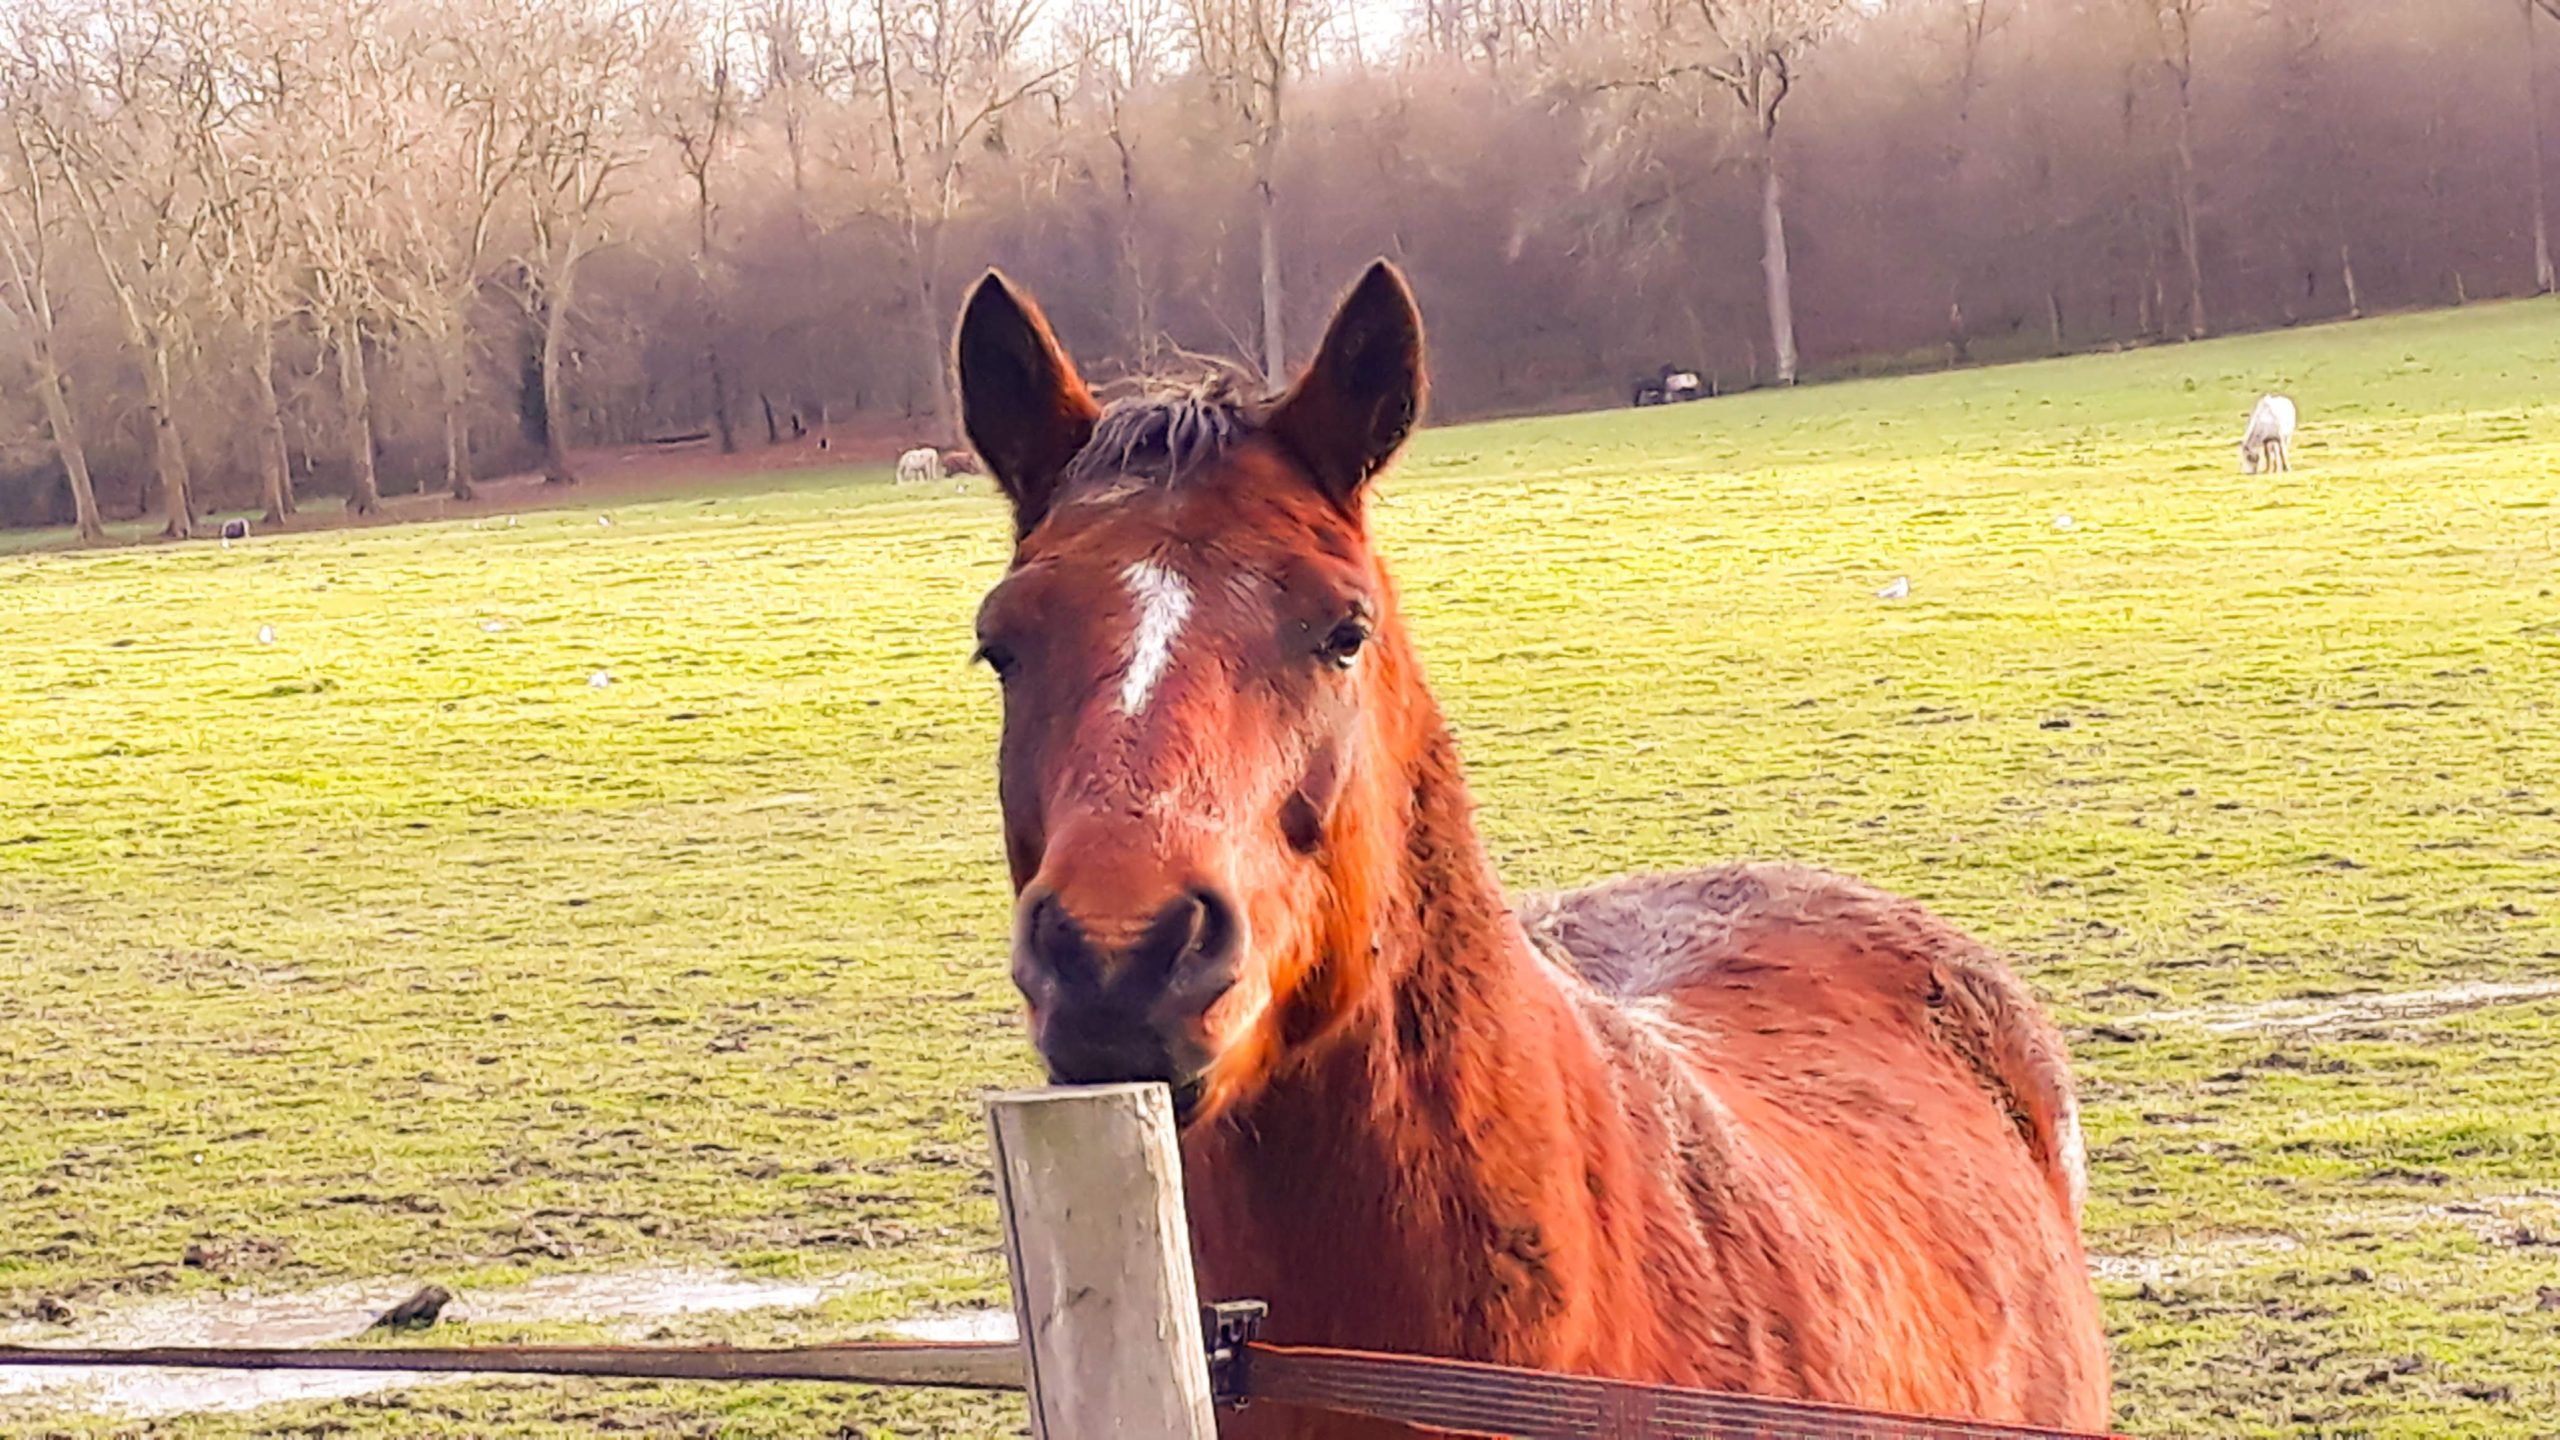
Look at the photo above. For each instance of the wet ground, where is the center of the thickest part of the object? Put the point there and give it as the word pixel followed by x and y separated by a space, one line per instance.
pixel 630 1299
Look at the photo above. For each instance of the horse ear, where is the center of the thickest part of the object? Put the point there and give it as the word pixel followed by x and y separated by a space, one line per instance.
pixel 1026 410
pixel 1358 400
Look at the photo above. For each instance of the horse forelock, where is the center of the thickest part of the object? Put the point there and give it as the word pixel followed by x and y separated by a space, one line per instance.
pixel 1162 432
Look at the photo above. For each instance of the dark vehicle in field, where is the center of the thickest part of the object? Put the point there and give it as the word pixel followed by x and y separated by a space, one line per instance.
pixel 1670 386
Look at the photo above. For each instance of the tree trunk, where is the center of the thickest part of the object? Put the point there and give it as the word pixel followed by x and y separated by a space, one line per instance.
pixel 556 469
pixel 795 142
pixel 813 268
pixel 1142 320
pixel 365 496
pixel 2136 212
pixel 54 392
pixel 720 400
pixel 2544 282
pixel 1773 267
pixel 924 259
pixel 1275 345
pixel 2187 213
pixel 2053 318
pixel 937 366
pixel 168 451
pixel 2149 303
pixel 2347 275
pixel 275 464
pixel 710 310
pixel 1959 337
pixel 168 455
pixel 453 381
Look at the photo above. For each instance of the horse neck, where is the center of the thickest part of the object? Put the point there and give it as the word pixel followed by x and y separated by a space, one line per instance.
pixel 1421 1178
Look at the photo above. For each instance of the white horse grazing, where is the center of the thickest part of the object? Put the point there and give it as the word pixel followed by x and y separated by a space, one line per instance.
pixel 2269 443
pixel 920 465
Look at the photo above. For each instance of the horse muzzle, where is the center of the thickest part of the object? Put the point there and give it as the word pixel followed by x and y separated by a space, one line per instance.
pixel 1135 1011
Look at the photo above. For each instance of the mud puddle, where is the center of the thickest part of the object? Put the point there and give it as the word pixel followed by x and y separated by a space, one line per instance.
pixel 2192 1261
pixel 2342 1011
pixel 968 1327
pixel 629 1298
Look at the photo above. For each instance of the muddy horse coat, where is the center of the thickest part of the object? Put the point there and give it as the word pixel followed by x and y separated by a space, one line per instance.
pixel 1755 1128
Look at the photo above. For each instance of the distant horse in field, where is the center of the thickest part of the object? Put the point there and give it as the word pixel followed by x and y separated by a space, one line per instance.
pixel 920 465
pixel 1755 1128
pixel 2268 445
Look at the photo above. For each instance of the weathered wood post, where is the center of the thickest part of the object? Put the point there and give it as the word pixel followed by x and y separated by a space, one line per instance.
pixel 1090 1178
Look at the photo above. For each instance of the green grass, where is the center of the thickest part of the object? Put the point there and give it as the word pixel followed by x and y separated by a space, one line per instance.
pixel 396 948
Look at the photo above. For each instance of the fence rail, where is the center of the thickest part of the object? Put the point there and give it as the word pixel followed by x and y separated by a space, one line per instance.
pixel 922 1363
pixel 1495 1399
pixel 1114 1341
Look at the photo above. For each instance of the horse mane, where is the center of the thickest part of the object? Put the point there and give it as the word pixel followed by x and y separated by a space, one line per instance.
pixel 1162 430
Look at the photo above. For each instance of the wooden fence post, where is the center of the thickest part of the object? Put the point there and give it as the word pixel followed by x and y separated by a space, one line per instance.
pixel 1090 1178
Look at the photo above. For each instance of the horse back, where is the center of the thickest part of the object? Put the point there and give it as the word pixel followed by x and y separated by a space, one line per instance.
pixel 1896 1143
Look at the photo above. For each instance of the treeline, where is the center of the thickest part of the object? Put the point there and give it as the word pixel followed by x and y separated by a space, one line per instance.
pixel 256 251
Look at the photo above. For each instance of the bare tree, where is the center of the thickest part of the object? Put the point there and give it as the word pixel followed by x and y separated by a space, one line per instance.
pixel 247 157
pixel 342 127
pixel 27 226
pixel 260 303
pixel 2170 26
pixel 2544 281
pixel 123 96
pixel 1123 47
pixel 696 105
pixel 2308 169
pixel 341 203
pixel 448 193
pixel 231 218
pixel 570 106
pixel 791 49
pixel 1750 50
pixel 1251 51
pixel 1975 22
pixel 798 54
pixel 945 74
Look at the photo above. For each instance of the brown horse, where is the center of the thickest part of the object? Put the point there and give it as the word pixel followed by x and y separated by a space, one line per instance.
pixel 1757 1128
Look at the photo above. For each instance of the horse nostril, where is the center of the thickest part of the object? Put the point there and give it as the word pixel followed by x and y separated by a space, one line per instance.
pixel 1213 925
pixel 1052 949
pixel 1204 966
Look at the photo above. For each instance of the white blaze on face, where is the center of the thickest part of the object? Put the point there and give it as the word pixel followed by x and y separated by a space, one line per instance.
pixel 1163 602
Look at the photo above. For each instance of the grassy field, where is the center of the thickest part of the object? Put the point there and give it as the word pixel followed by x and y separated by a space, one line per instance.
pixel 579 896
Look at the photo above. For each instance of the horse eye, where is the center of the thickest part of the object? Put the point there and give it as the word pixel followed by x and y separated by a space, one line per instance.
pixel 997 658
pixel 1342 645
